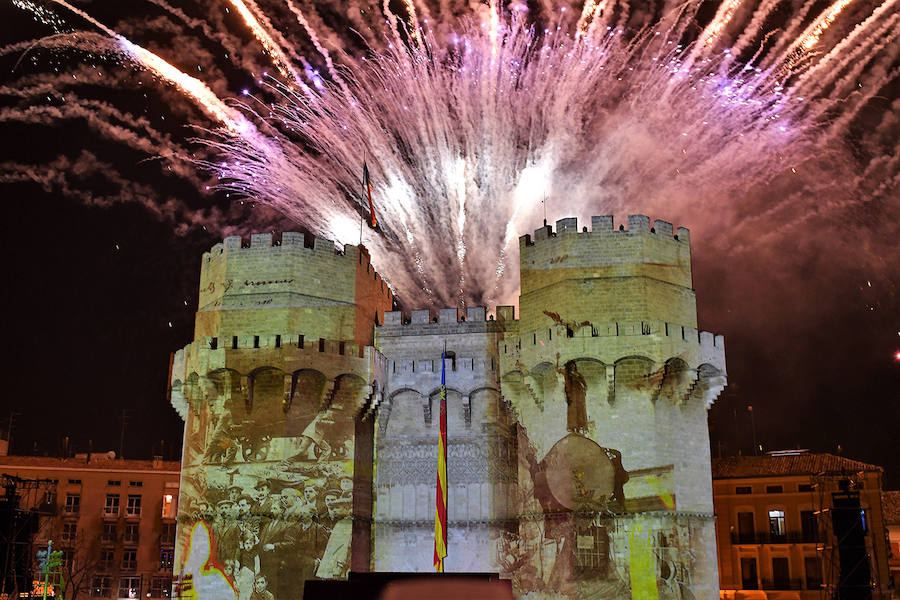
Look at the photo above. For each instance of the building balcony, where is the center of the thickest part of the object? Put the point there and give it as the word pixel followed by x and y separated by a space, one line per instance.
pixel 764 537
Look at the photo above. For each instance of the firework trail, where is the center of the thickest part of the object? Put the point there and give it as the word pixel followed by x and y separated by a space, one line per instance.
pixel 191 87
pixel 476 121
pixel 468 137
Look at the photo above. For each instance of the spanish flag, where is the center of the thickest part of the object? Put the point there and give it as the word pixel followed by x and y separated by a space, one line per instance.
pixel 440 510
pixel 367 188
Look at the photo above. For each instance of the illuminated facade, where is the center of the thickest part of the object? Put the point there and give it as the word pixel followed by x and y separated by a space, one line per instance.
pixel 114 521
pixel 890 502
pixel 578 451
pixel 795 524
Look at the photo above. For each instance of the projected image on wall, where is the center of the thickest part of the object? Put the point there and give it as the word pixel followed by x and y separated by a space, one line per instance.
pixel 269 483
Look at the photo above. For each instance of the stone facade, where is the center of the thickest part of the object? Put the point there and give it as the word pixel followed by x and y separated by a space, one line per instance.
pixel 276 391
pixel 480 445
pixel 112 519
pixel 578 454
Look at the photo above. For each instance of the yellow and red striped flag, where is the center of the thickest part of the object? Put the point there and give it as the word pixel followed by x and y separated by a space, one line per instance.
pixel 440 510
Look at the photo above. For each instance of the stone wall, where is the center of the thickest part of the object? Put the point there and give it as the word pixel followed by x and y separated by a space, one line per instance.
pixel 480 444
pixel 278 394
pixel 295 285
pixel 578 449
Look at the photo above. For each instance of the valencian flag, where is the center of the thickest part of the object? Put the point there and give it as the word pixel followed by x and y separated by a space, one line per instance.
pixel 440 510
pixel 367 188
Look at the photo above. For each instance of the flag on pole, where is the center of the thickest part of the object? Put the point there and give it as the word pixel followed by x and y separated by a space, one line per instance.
pixel 440 511
pixel 367 188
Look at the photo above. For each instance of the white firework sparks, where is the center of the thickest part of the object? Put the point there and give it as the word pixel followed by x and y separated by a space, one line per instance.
pixel 473 127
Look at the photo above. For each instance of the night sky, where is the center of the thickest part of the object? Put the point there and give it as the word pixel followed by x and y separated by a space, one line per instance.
pixel 99 293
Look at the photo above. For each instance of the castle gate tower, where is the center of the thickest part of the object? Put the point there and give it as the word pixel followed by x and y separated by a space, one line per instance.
pixel 610 382
pixel 481 467
pixel 274 390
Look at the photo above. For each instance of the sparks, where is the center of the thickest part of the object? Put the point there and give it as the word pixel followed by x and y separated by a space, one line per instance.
pixel 471 121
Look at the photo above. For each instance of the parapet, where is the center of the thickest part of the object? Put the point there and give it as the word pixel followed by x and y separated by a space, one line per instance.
pixel 284 260
pixel 445 320
pixel 604 226
pixel 608 342
pixel 288 239
pixel 245 353
pixel 660 330
pixel 642 250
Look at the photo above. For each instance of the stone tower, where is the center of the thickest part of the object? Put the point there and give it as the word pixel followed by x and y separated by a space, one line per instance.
pixel 610 382
pixel 578 448
pixel 480 442
pixel 274 390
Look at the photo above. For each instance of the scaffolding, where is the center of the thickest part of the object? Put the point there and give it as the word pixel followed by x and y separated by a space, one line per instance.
pixel 22 504
pixel 833 494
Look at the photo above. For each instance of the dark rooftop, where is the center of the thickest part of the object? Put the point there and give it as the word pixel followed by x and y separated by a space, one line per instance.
pixel 788 463
pixel 99 461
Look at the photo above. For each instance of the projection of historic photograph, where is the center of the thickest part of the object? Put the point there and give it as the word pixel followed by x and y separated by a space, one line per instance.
pixel 577 445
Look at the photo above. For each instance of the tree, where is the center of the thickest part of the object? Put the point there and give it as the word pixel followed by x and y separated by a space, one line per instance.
pixel 80 559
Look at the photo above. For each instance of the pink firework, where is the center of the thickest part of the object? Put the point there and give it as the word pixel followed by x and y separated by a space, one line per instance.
pixel 476 123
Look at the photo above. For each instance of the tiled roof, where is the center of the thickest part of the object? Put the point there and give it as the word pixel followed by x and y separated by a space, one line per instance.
pixel 890 502
pixel 98 462
pixel 804 463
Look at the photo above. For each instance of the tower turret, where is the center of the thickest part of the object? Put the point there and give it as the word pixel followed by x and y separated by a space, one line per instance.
pixel 610 382
pixel 298 283
pixel 606 275
pixel 277 391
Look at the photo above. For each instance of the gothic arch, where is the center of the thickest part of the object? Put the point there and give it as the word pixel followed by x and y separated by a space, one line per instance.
pixel 403 413
pixel 350 393
pixel 635 373
pixel 677 379
pixel 710 383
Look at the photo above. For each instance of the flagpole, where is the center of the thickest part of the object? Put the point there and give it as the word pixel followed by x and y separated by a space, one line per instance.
pixel 361 197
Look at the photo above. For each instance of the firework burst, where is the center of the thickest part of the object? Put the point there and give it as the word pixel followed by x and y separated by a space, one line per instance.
pixel 476 125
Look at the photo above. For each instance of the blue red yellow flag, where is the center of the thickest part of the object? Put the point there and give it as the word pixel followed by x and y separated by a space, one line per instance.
pixel 440 510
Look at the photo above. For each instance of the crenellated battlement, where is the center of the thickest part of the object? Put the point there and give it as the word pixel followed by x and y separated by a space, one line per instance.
pixel 277 257
pixel 287 239
pixel 279 341
pixel 560 337
pixel 604 226
pixel 443 316
pixel 287 351
pixel 291 277
pixel 461 364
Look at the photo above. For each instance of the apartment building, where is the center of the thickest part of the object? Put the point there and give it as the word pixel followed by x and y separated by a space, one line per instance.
pixel 113 520
pixel 891 503
pixel 796 525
